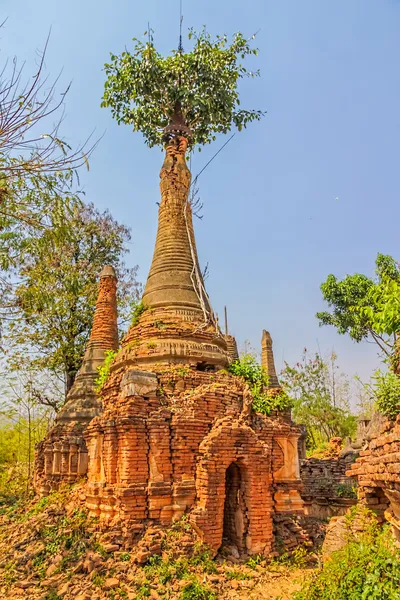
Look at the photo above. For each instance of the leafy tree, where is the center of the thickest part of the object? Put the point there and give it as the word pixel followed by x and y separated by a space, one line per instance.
pixel 200 87
pixel 320 398
pixel 53 300
pixel 365 308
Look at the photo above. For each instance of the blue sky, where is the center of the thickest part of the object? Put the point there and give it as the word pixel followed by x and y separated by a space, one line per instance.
pixel 311 190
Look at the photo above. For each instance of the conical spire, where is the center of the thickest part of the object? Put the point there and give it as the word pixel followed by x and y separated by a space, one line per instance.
pixel 267 359
pixel 82 401
pixel 174 280
pixel 178 325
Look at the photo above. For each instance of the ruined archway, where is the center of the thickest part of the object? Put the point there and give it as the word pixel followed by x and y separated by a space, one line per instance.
pixel 232 442
pixel 236 520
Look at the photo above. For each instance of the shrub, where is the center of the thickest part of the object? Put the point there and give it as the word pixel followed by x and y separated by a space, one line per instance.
pixel 251 371
pixel 387 392
pixel 138 309
pixel 104 370
pixel 367 568
pixel 196 591
pixel 346 490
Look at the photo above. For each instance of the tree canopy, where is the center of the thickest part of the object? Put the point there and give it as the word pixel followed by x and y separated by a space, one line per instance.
pixel 146 90
pixel 320 398
pixel 51 300
pixel 364 307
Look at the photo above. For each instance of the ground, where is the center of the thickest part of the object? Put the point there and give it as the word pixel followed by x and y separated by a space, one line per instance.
pixel 51 550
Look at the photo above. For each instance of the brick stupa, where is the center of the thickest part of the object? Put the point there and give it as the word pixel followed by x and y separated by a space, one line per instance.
pixel 62 456
pixel 177 433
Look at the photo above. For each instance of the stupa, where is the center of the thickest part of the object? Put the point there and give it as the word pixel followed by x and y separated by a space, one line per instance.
pixel 177 433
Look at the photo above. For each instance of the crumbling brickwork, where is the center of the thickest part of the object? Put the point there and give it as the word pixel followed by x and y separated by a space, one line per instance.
pixel 328 491
pixel 378 473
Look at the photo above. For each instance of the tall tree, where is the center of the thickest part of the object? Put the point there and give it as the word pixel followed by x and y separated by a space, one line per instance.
pixel 52 301
pixel 358 305
pixel 320 398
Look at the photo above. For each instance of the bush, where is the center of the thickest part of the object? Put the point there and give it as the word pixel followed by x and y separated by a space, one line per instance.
pixel 387 392
pixel 196 591
pixel 367 568
pixel 104 370
pixel 251 371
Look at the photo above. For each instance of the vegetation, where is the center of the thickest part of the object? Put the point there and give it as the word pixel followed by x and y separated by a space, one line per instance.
pixel 137 309
pixel 148 91
pixel 366 308
pixel 52 299
pixel 321 399
pixel 252 372
pixel 104 370
pixel 368 567
pixel 37 165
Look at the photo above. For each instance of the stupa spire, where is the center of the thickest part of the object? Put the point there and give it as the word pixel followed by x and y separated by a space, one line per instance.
pixel 267 359
pixel 178 324
pixel 175 280
pixel 82 401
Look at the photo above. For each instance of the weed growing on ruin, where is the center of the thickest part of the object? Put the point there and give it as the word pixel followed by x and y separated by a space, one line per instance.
pixel 98 580
pixel 196 591
pixel 344 490
pixel 151 345
pixel 138 309
pixel 52 595
pixel 143 591
pixel 254 561
pixel 201 557
pixel 368 567
pixel 160 325
pixel 252 372
pixel 296 559
pixel 104 370
pixel 125 556
pixel 238 575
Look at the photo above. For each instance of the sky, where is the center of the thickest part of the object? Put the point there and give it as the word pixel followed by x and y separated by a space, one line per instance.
pixel 310 190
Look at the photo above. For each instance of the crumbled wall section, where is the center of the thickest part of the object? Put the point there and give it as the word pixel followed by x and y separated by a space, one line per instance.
pixel 328 490
pixel 378 473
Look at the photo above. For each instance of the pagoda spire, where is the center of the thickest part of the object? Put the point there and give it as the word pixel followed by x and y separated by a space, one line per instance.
pixel 175 281
pixel 267 360
pixel 178 324
pixel 82 400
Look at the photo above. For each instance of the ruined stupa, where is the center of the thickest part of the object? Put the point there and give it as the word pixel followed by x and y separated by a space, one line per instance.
pixel 62 456
pixel 172 431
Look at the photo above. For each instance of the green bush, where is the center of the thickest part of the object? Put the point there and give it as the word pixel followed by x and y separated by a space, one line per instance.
pixel 251 371
pixel 196 591
pixel 104 370
pixel 387 392
pixel 345 490
pixel 138 309
pixel 367 568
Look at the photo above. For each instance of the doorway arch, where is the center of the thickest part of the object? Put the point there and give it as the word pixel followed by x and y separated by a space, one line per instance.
pixel 236 520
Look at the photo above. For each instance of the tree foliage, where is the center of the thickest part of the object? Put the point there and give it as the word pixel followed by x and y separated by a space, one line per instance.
pixel 363 307
pixel 320 398
pixel 56 273
pixel 145 89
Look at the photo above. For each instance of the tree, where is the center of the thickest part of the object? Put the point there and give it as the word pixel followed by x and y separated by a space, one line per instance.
pixel 320 398
pixel 197 88
pixel 31 148
pixel 365 308
pixel 53 300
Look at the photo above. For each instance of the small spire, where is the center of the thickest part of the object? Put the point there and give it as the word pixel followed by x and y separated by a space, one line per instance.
pixel 108 271
pixel 267 359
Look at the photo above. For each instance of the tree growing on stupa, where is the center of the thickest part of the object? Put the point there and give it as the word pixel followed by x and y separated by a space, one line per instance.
pixel 195 91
